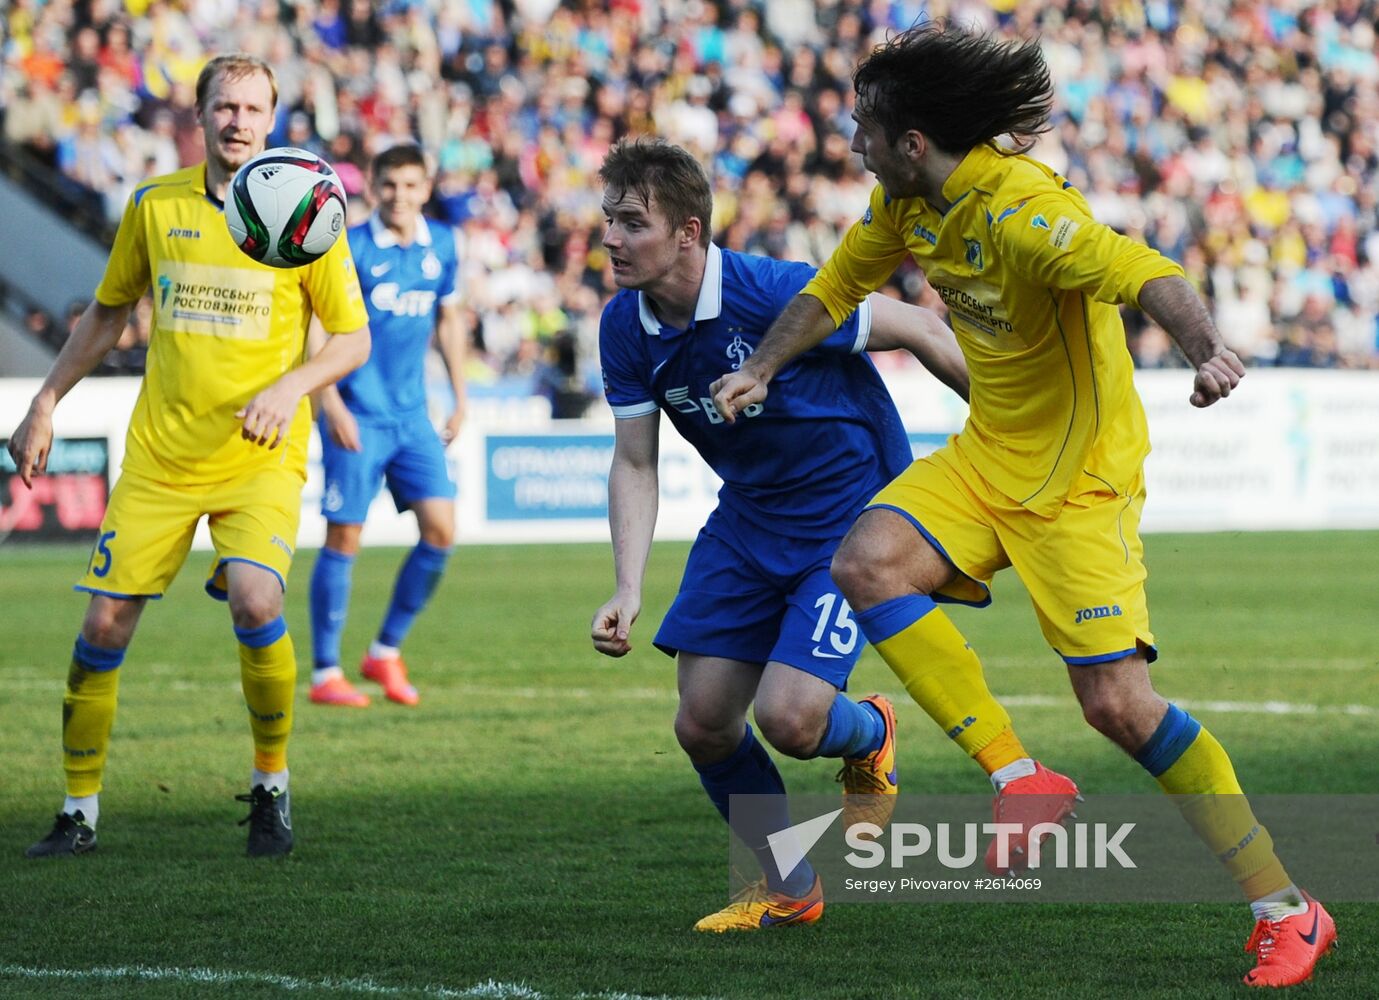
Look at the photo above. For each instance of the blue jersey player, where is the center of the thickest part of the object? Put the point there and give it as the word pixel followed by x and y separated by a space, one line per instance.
pixel 375 428
pixel 758 618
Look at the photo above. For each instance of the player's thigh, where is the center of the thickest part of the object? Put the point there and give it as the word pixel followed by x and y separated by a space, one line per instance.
pixel 144 538
pixel 714 692
pixel 352 478
pixel 254 520
pixel 436 521
pixel 939 495
pixel 1085 574
pixel 417 469
pixel 727 606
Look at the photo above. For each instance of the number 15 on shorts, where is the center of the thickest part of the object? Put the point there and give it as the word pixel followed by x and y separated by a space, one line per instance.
pixel 840 629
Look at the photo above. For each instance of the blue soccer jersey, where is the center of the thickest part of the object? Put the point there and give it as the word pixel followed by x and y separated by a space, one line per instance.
pixel 828 436
pixel 403 287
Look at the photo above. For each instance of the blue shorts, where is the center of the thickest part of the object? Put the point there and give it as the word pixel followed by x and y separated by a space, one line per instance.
pixel 407 455
pixel 752 595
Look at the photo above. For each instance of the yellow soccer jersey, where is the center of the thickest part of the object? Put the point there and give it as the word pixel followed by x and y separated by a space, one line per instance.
pixel 224 328
pixel 1031 281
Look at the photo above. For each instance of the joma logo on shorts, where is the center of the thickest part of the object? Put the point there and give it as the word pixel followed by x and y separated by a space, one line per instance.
pixel 1104 611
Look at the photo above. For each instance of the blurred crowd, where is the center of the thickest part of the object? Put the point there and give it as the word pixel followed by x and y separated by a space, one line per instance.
pixel 1241 139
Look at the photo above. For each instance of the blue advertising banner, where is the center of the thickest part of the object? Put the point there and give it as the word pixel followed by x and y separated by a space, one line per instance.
pixel 540 477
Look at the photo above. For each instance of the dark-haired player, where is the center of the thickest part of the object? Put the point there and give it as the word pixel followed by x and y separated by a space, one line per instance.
pixel 1047 474
pixel 375 428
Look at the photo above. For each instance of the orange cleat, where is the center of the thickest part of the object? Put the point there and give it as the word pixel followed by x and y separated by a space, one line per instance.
pixel 1288 949
pixel 755 907
pixel 392 674
pixel 338 691
pixel 870 783
pixel 1042 797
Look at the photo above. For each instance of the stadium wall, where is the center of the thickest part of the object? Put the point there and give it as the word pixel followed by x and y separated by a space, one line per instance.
pixel 1294 449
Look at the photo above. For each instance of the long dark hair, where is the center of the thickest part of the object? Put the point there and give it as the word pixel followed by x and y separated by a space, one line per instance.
pixel 959 88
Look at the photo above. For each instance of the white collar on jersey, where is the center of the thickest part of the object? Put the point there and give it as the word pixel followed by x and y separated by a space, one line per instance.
pixel 383 237
pixel 710 304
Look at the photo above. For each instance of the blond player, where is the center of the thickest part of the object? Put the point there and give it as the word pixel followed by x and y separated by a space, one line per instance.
pixel 219 430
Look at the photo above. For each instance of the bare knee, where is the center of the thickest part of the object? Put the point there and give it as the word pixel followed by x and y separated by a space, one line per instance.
pixel 706 741
pixel 254 607
pixel 792 733
pixel 1126 713
pixel 109 622
pixel 436 522
pixel 343 538
pixel 438 536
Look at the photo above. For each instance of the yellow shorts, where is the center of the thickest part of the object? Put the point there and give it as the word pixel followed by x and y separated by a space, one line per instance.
pixel 148 529
pixel 1084 569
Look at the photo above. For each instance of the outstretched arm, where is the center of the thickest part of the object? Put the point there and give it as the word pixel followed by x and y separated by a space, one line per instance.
pixel 1175 306
pixel 95 334
pixel 897 326
pixel 633 496
pixel 803 324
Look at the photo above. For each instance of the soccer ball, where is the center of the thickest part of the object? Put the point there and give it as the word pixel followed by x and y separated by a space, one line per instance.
pixel 286 207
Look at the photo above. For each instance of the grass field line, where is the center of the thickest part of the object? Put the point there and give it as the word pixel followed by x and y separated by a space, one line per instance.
pixel 1209 705
pixel 1340 664
pixel 668 695
pixel 489 990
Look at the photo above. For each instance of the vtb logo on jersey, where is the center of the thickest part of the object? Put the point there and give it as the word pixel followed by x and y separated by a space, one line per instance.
pixel 681 401
pixel 388 298
pixel 739 350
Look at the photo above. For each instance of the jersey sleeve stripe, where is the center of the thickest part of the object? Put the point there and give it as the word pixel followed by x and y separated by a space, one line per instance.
pixel 634 410
pixel 863 327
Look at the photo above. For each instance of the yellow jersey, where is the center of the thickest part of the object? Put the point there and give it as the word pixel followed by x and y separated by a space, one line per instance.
pixel 224 328
pixel 1032 282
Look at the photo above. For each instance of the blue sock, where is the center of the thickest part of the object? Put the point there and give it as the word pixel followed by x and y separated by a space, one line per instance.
pixel 750 771
pixel 330 597
pixel 416 582
pixel 854 729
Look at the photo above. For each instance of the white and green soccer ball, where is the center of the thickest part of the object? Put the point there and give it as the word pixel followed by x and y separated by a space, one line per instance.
pixel 285 207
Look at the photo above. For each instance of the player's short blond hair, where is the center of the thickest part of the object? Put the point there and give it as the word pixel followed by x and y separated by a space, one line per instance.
pixel 232 66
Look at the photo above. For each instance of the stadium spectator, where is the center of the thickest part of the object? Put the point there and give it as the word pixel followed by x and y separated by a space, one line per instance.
pixel 1212 129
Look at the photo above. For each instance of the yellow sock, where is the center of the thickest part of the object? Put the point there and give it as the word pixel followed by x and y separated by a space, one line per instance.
pixel 943 675
pixel 88 712
pixel 268 674
pixel 1005 749
pixel 1188 761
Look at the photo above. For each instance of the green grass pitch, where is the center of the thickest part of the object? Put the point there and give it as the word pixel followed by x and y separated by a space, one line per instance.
pixel 533 829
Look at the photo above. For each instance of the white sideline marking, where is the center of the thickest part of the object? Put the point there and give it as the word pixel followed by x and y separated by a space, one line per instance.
pixel 489 990
pixel 1207 705
pixel 669 695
